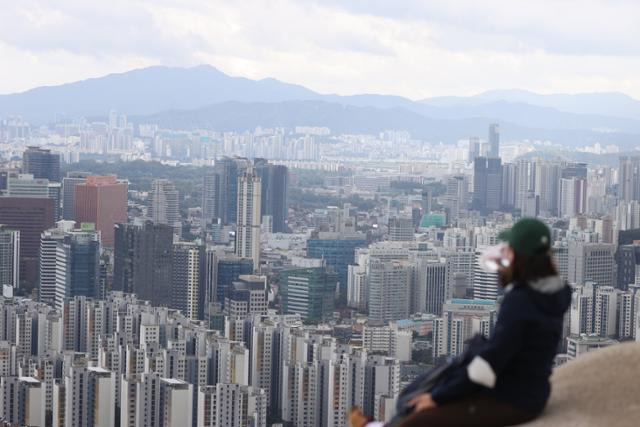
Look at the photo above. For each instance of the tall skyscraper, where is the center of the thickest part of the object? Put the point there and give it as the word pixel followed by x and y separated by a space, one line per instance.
pixel 164 204
pixel 547 187
pixel 9 257
pixel 69 193
pixel 573 196
pixel 143 261
pixel 69 265
pixel 275 180
pixel 487 184
pixel 308 292
pixel 431 286
pixel 102 200
pixel 220 189
pixel 31 216
pixel 248 222
pixel 494 141
pixel 41 163
pixel 187 285
pixel 629 178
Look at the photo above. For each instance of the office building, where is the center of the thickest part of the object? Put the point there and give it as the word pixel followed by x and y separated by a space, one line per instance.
pixel 338 251
pixel 494 141
pixel 30 216
pixel 401 229
pixel 41 163
pixel 249 215
pixel 9 257
pixel 102 200
pixel 69 193
pixel 26 185
pixel 143 261
pixel 69 265
pixel 456 197
pixel 246 297
pixel 432 286
pixel 592 262
pixel 187 285
pixel 164 204
pixel 222 271
pixel 309 292
pixel 275 182
pixel 487 184
pixel 628 262
pixel 577 345
pixel 388 290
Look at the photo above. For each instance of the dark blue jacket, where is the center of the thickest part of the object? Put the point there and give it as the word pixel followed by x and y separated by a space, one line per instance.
pixel 514 365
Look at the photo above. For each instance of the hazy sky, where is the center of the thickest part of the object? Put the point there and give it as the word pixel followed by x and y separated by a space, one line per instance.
pixel 414 48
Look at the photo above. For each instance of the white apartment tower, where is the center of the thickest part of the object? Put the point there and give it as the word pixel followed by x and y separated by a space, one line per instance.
pixel 248 217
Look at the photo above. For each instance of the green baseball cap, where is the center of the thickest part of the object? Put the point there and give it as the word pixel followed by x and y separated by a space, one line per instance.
pixel 528 236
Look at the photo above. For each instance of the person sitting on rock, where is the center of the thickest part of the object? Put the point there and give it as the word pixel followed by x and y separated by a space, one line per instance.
pixel 506 381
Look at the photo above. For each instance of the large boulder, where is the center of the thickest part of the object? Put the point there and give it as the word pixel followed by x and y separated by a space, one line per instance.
pixel 600 388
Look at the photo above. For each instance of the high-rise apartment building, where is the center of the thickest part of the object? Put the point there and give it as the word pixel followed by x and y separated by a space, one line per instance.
pixel 309 292
pixel 629 178
pixel 573 196
pixel 9 257
pixel 389 283
pixel 41 163
pixel 102 200
pixel 187 286
pixel 143 261
pixel 31 216
pixel 22 401
pixel 246 297
pixel 547 187
pixel 220 190
pixel 249 215
pixel 164 204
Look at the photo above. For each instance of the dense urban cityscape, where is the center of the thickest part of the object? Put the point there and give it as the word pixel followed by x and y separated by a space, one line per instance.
pixel 278 276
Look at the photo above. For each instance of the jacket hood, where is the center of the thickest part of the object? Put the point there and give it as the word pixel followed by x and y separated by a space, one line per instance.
pixel 551 294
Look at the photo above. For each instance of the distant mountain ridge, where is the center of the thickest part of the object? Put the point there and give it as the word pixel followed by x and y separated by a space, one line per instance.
pixel 155 91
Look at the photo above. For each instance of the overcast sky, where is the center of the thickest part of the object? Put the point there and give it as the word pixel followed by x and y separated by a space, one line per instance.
pixel 417 48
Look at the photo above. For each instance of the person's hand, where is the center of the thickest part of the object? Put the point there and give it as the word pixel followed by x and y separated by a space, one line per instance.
pixel 422 402
pixel 357 418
